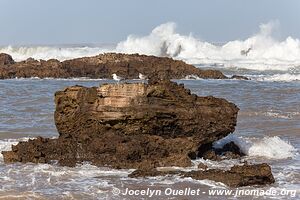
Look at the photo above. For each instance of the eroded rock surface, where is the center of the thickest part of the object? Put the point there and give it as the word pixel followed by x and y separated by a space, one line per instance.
pixel 130 126
pixel 103 66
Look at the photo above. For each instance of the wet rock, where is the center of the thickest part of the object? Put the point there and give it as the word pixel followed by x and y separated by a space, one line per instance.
pixel 211 155
pixel 228 151
pixel 237 176
pixel 202 166
pixel 103 66
pixel 239 77
pixel 232 148
pixel 130 126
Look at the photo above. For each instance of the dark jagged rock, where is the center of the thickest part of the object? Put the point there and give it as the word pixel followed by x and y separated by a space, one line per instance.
pixel 239 77
pixel 228 151
pixel 237 176
pixel 103 66
pixel 130 126
pixel 202 166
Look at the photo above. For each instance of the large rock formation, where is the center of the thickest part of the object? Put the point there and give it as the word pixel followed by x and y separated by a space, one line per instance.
pixel 130 126
pixel 141 126
pixel 103 66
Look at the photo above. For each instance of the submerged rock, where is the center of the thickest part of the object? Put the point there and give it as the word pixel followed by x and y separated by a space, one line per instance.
pixel 130 126
pixel 103 66
pixel 237 176
pixel 239 77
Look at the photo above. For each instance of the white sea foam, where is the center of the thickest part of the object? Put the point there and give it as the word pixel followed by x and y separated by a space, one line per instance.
pixel 243 144
pixel 286 77
pixel 266 52
pixel 192 77
pixel 269 147
pixel 272 147
pixel 49 52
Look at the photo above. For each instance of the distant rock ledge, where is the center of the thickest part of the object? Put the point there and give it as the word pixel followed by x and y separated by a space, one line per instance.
pixel 144 127
pixel 103 66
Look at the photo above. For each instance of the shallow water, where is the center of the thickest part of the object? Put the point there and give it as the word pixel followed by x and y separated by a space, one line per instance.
pixel 268 130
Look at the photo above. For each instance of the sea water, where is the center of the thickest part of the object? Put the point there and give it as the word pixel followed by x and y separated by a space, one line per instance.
pixel 268 128
pixel 267 131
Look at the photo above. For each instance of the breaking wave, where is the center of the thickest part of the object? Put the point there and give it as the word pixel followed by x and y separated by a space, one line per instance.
pixel 286 77
pixel 268 147
pixel 49 52
pixel 259 52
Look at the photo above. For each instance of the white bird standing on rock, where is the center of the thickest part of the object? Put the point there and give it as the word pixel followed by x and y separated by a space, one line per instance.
pixel 117 78
pixel 142 77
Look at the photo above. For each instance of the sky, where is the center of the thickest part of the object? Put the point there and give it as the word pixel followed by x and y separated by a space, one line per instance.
pixel 29 22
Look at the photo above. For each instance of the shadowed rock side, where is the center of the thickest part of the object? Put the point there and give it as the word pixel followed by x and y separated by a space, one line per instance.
pixel 130 126
pixel 237 176
pixel 103 66
pixel 228 151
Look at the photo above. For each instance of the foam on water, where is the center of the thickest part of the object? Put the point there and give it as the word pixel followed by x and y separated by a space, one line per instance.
pixel 268 147
pixel 266 52
pixel 286 77
pixel 192 77
pixel 49 52
pixel 86 180
pixel 272 147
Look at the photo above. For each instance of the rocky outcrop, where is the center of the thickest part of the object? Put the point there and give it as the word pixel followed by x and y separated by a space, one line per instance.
pixel 130 126
pixel 103 66
pixel 142 126
pixel 237 176
pixel 6 59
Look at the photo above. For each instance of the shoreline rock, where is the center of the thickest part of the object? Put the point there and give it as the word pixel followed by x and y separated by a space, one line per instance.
pixel 237 176
pixel 103 66
pixel 140 126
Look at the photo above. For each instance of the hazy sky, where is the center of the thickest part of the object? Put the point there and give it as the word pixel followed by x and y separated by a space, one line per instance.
pixel 96 21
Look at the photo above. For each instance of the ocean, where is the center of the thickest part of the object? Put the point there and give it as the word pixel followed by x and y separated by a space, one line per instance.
pixel 268 128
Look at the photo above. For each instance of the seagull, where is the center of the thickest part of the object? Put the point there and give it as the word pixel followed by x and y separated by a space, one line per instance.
pixel 142 77
pixel 117 78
